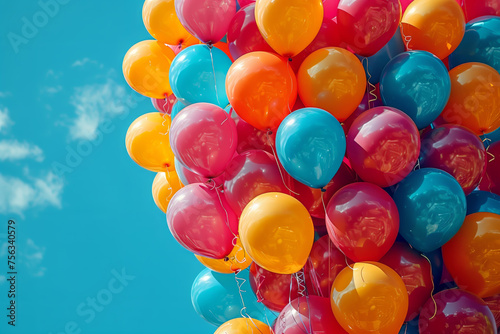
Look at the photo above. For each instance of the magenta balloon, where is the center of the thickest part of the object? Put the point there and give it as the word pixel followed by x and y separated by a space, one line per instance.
pixel 250 138
pixel 207 20
pixel 192 177
pixel 243 3
pixel 456 150
pixel 201 220
pixel 330 8
pixel 383 146
pixel 164 105
pixel 203 137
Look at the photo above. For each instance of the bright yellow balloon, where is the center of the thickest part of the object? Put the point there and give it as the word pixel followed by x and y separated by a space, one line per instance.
pixel 277 232
pixel 165 185
pixel 148 143
pixel 243 326
pixel 235 261
pixel 146 67
pixel 289 26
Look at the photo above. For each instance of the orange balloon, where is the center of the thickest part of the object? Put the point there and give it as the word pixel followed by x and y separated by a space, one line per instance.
pixel 437 26
pixel 277 232
pixel 163 24
pixel 148 143
pixel 146 67
pixel 332 79
pixel 235 261
pixel 472 256
pixel 262 89
pixel 243 326
pixel 165 185
pixel 372 298
pixel 289 26
pixel 475 98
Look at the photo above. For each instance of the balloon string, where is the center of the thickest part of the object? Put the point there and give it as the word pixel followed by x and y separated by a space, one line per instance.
pixel 313 274
pixel 299 277
pixel 213 69
pixel 164 117
pixel 432 291
pixel 165 104
pixel 370 88
pixel 227 214
pixel 487 143
pixel 278 164
pixel 407 39
pixel 258 293
pixel 417 165
pixel 243 312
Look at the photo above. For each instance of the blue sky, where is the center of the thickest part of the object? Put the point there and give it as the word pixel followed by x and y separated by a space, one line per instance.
pixel 87 226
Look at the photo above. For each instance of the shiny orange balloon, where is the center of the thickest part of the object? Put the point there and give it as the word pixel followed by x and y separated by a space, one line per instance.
pixel 372 298
pixel 472 256
pixel 289 26
pixel 235 261
pixel 262 89
pixel 277 232
pixel 437 26
pixel 243 326
pixel 148 143
pixel 146 67
pixel 165 185
pixel 332 79
pixel 163 24
pixel 475 98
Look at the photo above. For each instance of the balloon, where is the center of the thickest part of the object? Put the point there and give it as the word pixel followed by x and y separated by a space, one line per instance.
pixel 178 106
pixel 383 145
pixel 415 271
pixel 330 8
pixel 332 79
pixel 481 43
pixel 188 177
pixel 146 68
pixel 475 98
pixel 208 20
pixel 277 232
pixel 236 261
pixel 262 89
pixel 164 105
pixel 216 298
pixel 362 221
pixel 436 259
pixel 456 311
pixel 476 8
pixel 483 201
pixel 431 206
pixel 310 144
pixel 370 298
pixel 417 83
pixel 243 326
pixel 165 185
pixel 250 138
pixel 455 150
pixel 367 25
pixel 491 179
pixel 494 305
pixel 370 100
pixel 243 3
pixel 200 219
pixel 192 75
pixel 288 26
pixel 148 144
pixel 473 254
pixel 436 26
pixel 204 139
pixel 309 314
pixel 409 327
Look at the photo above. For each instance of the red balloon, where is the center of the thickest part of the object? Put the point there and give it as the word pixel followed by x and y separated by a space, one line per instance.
pixel 383 146
pixel 415 271
pixel 250 138
pixel 164 105
pixel 330 8
pixel 477 8
pixel 494 305
pixel 362 221
pixel 192 177
pixel 491 178
pixel 369 101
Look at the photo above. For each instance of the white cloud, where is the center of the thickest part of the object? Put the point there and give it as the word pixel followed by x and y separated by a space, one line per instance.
pixel 11 149
pixel 81 62
pixel 52 89
pixel 5 94
pixel 5 120
pixel 30 255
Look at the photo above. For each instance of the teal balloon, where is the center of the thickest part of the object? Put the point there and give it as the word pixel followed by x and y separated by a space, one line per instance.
pixel 432 208
pixel 311 145
pixel 491 138
pixel 410 327
pixel 192 75
pixel 417 83
pixel 216 298
pixel 483 201
pixel 178 106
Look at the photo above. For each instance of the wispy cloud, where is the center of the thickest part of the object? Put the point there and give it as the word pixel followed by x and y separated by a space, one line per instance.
pixel 5 94
pixel 86 61
pixel 52 89
pixel 5 120
pixel 30 255
pixel 12 150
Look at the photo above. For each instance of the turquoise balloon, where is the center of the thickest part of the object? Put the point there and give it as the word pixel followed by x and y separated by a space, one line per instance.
pixel 432 208
pixel 178 106
pixel 417 83
pixel 216 298
pixel 483 201
pixel 192 75
pixel 311 146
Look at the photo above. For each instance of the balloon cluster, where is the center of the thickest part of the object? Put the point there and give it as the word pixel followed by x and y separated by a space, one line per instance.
pixel 327 156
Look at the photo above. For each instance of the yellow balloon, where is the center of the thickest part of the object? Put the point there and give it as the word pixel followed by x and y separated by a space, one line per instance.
pixel 235 261
pixel 165 185
pixel 243 326
pixel 148 144
pixel 289 26
pixel 146 67
pixel 277 232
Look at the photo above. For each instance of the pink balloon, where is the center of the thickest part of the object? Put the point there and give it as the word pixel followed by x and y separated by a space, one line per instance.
pixel 164 105
pixel 201 220
pixel 250 138
pixel 203 137
pixel 369 101
pixel 243 3
pixel 330 8
pixel 207 20
pixel 190 177
pixel 176 48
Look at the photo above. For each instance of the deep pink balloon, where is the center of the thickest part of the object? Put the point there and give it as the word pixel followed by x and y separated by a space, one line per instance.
pixel 362 221
pixel 164 105
pixel 458 311
pixel 491 179
pixel 192 177
pixel 201 220
pixel 477 8
pixel 243 3
pixel 250 138
pixel 203 137
pixel 207 20
pixel 383 146
pixel 330 8
pixel 369 101
pixel 494 305
pixel 456 150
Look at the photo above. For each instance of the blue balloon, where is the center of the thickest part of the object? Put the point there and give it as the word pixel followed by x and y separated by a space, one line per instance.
pixel 192 75
pixel 417 83
pixel 481 43
pixel 483 201
pixel 216 298
pixel 410 327
pixel 311 145
pixel 178 106
pixel 492 137
pixel 431 207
